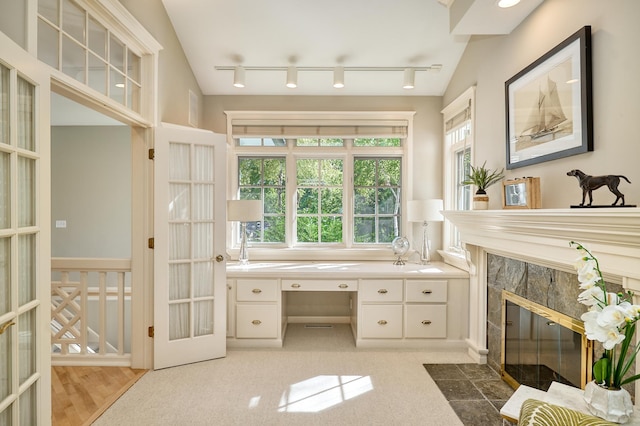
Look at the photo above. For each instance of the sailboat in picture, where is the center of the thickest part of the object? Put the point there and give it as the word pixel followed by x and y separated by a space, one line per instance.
pixel 547 119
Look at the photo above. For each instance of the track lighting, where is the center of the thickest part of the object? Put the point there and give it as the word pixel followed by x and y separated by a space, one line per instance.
pixel 238 76
pixel 292 77
pixel 409 78
pixel 338 77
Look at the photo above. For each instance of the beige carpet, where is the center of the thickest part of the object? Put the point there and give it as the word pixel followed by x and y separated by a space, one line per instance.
pixel 317 378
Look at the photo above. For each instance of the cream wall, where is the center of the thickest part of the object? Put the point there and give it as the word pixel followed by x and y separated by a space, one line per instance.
pixel 91 190
pixel 175 77
pixel 490 61
pixel 425 160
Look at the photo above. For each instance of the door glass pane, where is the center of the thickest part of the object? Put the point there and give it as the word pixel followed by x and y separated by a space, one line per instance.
pixel 5 276
pixel 26 106
pixel 133 66
pixel 5 191
pixel 179 280
pixel 13 19
pixel 27 345
pixel 5 416
pixel 26 268
pixel 73 22
pixel 97 38
pixel 179 167
pixel 203 317
pixel 116 53
pixel 178 321
pixel 179 201
pixel 116 85
pixel 73 56
pixel 4 105
pixel 203 202
pixel 5 365
pixel 203 279
pixel 26 191
pixel 133 95
pixel 48 44
pixel 203 240
pixel 49 9
pixel 203 159
pixel 28 413
pixel 179 241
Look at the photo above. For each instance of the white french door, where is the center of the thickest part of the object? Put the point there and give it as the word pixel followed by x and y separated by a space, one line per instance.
pixel 25 366
pixel 189 254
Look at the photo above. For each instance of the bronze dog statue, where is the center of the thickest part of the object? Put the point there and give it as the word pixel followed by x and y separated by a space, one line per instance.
pixel 589 183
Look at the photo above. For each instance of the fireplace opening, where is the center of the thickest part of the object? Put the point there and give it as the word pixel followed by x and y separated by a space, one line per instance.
pixel 540 346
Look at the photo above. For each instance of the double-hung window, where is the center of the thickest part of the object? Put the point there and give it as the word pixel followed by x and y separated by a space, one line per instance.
pixel 458 119
pixel 325 182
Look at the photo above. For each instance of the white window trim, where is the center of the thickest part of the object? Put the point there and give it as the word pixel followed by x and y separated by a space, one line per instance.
pixel 326 118
pixel 466 99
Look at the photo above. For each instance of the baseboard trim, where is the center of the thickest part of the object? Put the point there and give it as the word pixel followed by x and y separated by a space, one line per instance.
pixel 319 320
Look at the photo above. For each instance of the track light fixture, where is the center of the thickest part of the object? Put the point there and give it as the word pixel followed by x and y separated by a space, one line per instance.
pixel 409 78
pixel 238 76
pixel 338 73
pixel 338 77
pixel 292 77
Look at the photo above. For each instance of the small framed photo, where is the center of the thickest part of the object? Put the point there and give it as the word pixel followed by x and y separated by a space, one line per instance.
pixel 523 193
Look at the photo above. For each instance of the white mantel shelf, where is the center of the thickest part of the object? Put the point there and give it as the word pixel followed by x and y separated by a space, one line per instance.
pixel 543 235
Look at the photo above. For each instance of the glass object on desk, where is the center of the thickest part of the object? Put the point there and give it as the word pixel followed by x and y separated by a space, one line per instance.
pixel 400 246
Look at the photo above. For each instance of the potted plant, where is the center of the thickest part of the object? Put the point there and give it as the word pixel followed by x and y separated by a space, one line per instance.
pixel 482 178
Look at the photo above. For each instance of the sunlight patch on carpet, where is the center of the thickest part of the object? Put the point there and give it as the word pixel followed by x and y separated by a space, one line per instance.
pixel 321 392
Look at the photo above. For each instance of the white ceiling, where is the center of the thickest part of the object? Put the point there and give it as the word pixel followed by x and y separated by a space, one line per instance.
pixel 326 33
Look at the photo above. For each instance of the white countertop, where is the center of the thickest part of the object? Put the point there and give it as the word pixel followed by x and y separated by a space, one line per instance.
pixel 355 269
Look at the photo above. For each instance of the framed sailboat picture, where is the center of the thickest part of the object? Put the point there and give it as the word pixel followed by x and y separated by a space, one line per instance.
pixel 549 105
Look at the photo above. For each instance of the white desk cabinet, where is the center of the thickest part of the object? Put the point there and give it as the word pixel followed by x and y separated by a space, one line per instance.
pixel 410 306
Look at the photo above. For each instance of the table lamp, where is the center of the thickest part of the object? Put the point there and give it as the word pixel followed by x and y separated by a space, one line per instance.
pixel 244 211
pixel 425 211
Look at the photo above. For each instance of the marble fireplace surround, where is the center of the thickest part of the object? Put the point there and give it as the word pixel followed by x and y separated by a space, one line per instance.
pixel 542 237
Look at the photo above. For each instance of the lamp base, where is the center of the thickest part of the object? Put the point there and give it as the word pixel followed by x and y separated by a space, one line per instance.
pixel 425 257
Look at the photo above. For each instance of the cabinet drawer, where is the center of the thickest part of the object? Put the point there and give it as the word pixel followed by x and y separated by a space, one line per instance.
pixel 257 290
pixel 426 321
pixel 380 290
pixel 427 291
pixel 319 285
pixel 381 321
pixel 257 321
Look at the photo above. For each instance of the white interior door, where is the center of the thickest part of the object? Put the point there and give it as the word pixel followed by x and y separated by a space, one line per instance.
pixel 25 239
pixel 189 254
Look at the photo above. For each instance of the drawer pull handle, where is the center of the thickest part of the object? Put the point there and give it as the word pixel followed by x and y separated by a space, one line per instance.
pixel 343 286
pixel 383 291
pixel 427 291
pixel 295 285
pixel 256 291
pixel 426 322
pixel 382 322
pixel 256 322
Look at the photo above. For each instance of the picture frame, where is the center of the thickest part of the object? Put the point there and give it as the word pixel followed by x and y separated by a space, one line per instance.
pixel 549 105
pixel 522 193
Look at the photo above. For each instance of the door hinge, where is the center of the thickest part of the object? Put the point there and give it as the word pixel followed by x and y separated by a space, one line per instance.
pixel 151 243
pixel 152 154
pixel 151 331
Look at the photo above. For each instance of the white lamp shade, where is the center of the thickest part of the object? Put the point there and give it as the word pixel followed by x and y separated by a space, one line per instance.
pixel 425 210
pixel 244 210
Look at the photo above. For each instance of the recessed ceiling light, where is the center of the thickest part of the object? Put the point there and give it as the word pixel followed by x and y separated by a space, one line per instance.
pixel 507 3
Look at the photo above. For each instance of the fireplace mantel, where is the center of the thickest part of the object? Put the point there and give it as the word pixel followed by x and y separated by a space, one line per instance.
pixel 542 236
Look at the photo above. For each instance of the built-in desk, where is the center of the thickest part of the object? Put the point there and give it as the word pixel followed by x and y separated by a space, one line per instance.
pixel 417 306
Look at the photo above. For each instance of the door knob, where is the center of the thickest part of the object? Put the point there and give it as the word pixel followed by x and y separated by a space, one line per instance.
pixel 6 325
pixel 219 258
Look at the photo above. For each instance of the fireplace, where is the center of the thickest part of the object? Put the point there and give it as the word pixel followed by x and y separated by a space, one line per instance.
pixel 539 238
pixel 540 346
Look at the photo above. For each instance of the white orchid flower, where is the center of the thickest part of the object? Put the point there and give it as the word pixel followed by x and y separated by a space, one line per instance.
pixel 613 316
pixel 591 296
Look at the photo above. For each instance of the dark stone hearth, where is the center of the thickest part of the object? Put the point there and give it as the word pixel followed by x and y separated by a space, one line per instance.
pixel 475 392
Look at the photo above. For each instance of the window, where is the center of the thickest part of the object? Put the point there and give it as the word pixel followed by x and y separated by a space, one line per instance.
pixel 458 149
pixel 327 179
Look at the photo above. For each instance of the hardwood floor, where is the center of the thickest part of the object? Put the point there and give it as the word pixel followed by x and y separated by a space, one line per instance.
pixel 79 395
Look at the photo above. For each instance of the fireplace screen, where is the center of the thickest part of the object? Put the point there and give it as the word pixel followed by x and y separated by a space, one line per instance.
pixel 540 346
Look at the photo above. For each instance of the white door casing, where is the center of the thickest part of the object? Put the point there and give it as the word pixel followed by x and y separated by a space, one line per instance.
pixel 189 246
pixel 25 238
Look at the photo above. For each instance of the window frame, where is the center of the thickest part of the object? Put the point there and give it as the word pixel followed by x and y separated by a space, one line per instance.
pixel 454 253
pixel 291 250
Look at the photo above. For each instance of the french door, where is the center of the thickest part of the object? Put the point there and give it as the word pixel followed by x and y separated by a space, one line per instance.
pixel 25 376
pixel 189 239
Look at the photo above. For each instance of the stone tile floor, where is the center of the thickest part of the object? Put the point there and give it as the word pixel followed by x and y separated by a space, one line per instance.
pixel 475 392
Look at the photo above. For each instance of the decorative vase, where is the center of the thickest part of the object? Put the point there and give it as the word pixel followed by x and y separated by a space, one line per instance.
pixel 480 200
pixel 613 405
